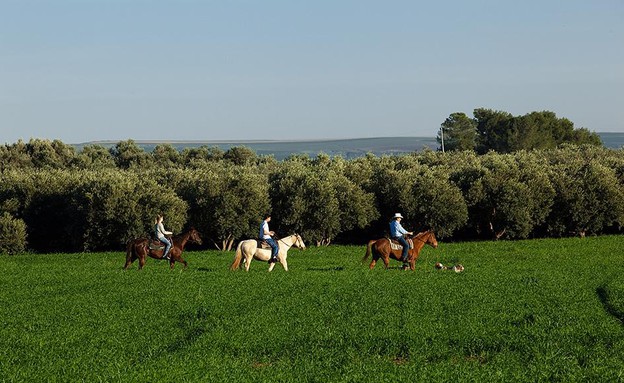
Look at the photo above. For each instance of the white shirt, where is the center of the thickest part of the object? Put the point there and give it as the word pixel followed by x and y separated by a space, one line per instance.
pixel 264 229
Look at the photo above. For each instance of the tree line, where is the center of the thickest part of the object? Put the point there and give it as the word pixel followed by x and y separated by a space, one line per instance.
pixel 504 133
pixel 53 198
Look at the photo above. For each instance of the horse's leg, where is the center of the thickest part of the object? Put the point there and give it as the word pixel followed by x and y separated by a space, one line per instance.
pixel 372 264
pixel 272 264
pixel 385 257
pixel 386 261
pixel 248 258
pixel 285 264
pixel 175 255
pixel 375 254
pixel 141 261
pixel 374 260
pixel 129 259
pixel 128 256
pixel 178 258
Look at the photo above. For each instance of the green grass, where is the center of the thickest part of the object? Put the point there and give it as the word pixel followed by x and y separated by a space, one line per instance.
pixel 540 310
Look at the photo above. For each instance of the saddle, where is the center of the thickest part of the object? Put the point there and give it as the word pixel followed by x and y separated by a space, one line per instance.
pixel 262 244
pixel 155 244
pixel 395 245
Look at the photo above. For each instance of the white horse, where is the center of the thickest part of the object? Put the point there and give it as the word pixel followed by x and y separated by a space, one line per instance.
pixel 249 249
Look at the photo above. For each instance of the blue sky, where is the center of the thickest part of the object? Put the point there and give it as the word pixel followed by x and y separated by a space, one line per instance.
pixel 86 70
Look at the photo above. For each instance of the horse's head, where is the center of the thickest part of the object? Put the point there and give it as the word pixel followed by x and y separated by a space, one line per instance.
pixel 194 236
pixel 431 239
pixel 299 242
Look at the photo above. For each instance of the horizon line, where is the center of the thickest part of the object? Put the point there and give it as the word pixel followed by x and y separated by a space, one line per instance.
pixel 253 141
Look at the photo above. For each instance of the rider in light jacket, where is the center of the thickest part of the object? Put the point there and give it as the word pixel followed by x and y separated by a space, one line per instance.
pixel 160 232
pixel 397 232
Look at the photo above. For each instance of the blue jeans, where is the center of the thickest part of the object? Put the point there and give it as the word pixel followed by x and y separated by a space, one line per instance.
pixel 167 245
pixel 274 247
pixel 405 245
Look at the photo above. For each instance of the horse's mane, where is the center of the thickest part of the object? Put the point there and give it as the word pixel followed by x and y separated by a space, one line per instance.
pixel 422 233
pixel 183 233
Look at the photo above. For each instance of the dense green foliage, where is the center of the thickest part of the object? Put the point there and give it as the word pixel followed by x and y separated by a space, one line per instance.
pixel 99 199
pixel 491 130
pixel 12 234
pixel 522 311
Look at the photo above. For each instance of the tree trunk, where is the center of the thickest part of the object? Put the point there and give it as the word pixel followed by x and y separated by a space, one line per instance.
pixel 230 243
pixel 216 245
pixel 323 242
pixel 227 243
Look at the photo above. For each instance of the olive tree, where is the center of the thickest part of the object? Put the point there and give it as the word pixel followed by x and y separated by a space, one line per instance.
pixel 226 201
pixel 12 234
pixel 127 154
pixel 589 198
pixel 117 206
pixel 433 201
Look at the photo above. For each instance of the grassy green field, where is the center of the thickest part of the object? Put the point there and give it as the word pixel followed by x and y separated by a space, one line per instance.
pixel 540 310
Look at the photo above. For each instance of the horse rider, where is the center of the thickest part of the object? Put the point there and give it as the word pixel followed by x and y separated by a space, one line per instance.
pixel 397 232
pixel 160 232
pixel 266 235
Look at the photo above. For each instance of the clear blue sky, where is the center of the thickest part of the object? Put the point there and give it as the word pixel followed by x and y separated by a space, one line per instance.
pixel 85 70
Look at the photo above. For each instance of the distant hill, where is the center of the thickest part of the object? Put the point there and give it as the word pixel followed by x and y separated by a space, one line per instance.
pixel 346 148
pixel 612 140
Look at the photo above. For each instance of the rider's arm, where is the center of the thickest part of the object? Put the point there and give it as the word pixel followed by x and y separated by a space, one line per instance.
pixel 401 230
pixel 161 229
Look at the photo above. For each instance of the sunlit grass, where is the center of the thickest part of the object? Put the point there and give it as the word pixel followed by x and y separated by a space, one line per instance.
pixel 541 310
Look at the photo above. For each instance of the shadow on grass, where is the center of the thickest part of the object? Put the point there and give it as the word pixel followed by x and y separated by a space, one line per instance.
pixel 194 324
pixel 603 295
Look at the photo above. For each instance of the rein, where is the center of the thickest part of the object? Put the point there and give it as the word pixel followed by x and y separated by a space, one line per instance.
pixel 282 241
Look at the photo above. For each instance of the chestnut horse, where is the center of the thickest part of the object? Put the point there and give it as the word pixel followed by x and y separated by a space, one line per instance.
pixel 380 248
pixel 140 248
pixel 248 250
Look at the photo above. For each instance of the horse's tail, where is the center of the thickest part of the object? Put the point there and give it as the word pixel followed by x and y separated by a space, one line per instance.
pixel 369 249
pixel 237 258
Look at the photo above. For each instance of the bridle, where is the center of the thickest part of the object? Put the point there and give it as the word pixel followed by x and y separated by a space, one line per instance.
pixel 282 241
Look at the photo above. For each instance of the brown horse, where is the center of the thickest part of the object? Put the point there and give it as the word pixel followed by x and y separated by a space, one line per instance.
pixel 140 248
pixel 381 248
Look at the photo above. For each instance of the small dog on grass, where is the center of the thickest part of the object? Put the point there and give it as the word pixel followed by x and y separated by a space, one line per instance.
pixel 458 268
